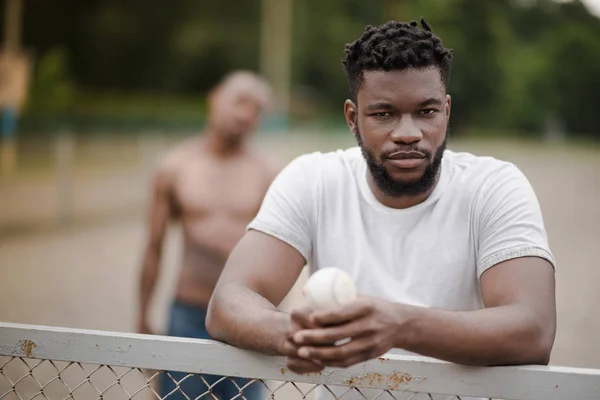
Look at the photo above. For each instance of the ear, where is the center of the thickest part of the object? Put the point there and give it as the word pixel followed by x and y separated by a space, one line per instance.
pixel 448 104
pixel 214 93
pixel 350 112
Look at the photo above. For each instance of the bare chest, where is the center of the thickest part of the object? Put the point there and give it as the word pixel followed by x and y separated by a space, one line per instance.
pixel 206 189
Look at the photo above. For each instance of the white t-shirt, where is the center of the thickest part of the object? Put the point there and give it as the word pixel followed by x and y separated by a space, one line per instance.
pixel 482 211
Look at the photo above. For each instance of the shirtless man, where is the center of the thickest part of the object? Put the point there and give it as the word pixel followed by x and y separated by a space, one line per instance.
pixel 214 186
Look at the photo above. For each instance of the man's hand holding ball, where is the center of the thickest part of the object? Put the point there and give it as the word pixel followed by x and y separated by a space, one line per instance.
pixel 338 328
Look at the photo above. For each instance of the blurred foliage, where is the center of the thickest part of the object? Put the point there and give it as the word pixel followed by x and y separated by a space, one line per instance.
pixel 53 89
pixel 520 65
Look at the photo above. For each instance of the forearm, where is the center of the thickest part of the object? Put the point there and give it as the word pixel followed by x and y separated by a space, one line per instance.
pixel 243 318
pixel 147 282
pixel 506 335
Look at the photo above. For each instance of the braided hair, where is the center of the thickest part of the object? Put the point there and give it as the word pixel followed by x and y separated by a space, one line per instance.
pixel 395 46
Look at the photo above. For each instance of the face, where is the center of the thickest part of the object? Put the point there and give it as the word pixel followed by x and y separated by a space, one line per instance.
pixel 236 109
pixel 400 122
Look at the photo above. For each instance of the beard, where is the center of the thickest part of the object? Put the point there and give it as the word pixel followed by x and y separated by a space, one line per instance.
pixel 397 188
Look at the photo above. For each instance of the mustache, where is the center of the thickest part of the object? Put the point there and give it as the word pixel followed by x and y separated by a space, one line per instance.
pixel 406 149
pixel 396 149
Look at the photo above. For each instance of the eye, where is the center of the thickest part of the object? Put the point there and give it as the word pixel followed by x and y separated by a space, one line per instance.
pixel 383 114
pixel 428 111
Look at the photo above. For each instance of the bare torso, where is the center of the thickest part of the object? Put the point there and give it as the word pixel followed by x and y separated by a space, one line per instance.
pixel 214 199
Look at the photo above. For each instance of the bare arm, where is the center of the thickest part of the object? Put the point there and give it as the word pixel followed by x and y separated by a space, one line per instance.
pixel 516 327
pixel 259 273
pixel 159 212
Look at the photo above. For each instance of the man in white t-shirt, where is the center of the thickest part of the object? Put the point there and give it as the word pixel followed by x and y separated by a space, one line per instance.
pixel 448 250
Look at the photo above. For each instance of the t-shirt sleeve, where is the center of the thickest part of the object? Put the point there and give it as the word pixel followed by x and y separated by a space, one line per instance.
pixel 510 223
pixel 287 211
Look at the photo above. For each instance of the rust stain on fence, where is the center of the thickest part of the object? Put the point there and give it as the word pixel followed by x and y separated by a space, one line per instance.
pixel 27 347
pixel 392 381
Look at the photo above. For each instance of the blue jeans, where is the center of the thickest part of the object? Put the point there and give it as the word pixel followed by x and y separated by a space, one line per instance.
pixel 9 122
pixel 189 322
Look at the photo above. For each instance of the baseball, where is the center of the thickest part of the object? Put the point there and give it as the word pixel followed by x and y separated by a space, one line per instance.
pixel 329 287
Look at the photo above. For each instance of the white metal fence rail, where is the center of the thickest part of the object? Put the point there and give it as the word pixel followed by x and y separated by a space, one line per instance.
pixel 56 363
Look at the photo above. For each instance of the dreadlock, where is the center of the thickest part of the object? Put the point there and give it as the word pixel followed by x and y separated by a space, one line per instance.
pixel 395 46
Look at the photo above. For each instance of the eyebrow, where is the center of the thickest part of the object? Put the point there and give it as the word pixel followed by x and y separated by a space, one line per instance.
pixel 387 106
pixel 432 101
pixel 380 106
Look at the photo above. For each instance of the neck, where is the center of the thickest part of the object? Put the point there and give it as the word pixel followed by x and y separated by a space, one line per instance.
pixel 399 202
pixel 219 147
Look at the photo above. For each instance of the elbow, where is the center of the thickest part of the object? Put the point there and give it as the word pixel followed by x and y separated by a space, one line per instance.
pixel 538 356
pixel 539 347
pixel 542 350
pixel 213 327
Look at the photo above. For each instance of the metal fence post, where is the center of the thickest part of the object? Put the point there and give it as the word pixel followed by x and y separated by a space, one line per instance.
pixel 65 149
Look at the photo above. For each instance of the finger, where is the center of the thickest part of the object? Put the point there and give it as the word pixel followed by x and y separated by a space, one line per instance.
pixel 303 366
pixel 332 334
pixel 343 314
pixel 366 346
pixel 290 349
pixel 302 317
pixel 299 320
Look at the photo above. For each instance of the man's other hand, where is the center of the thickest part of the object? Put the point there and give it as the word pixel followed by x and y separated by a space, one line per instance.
pixel 363 329
pixel 299 321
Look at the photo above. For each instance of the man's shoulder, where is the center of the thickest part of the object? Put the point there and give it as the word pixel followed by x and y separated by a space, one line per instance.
pixel 470 166
pixel 177 155
pixel 477 178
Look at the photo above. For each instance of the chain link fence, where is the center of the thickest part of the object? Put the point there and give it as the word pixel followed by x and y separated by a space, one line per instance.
pixel 29 379
pixel 53 363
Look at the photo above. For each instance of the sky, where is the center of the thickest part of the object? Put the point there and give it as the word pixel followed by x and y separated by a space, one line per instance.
pixel 594 6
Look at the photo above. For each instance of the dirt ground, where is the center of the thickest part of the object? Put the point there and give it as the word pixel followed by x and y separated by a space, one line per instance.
pixel 85 275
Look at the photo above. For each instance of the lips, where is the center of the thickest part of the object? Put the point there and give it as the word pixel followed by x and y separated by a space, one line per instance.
pixel 405 155
pixel 406 159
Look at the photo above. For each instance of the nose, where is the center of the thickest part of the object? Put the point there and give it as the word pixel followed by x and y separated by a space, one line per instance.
pixel 406 132
pixel 246 114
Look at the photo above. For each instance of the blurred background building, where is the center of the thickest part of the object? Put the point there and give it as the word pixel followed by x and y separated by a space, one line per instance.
pixel 93 91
